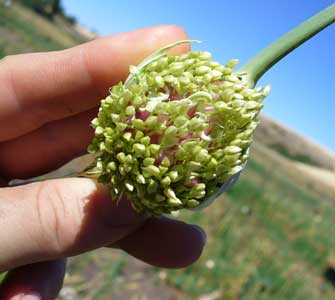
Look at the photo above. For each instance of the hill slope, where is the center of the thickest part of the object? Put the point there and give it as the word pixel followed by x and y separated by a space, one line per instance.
pixel 293 145
pixel 22 30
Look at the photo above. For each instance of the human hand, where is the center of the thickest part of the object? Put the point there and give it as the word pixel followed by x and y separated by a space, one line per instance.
pixel 46 103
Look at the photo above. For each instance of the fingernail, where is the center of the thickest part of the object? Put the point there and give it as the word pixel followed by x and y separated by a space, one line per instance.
pixel 203 233
pixel 31 296
pixel 17 297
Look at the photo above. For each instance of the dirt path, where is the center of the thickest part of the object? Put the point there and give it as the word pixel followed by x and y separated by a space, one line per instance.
pixel 105 274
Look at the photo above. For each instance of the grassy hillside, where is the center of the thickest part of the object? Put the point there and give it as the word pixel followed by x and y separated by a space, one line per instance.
pixel 270 237
pixel 292 145
pixel 21 30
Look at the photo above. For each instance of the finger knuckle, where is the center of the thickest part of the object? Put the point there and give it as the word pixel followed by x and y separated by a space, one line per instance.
pixel 51 214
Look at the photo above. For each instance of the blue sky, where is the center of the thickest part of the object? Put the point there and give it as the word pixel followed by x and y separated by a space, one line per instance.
pixel 303 83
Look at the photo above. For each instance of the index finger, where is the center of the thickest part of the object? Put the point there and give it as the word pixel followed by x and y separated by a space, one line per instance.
pixel 42 87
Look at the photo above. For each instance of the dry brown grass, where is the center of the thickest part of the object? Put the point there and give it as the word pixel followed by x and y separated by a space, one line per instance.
pixel 283 139
pixel 319 180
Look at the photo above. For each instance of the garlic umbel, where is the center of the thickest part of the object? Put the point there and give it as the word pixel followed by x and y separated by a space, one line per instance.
pixel 175 131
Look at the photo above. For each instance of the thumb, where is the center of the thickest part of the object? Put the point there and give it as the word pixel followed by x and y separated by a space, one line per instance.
pixel 59 218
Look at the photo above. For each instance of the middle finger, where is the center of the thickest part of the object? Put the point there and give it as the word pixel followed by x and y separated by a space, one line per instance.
pixel 46 148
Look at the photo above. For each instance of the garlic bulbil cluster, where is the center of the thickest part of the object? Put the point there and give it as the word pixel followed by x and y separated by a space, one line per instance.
pixel 175 131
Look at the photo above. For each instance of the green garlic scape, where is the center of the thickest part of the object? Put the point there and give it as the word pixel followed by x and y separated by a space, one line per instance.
pixel 175 131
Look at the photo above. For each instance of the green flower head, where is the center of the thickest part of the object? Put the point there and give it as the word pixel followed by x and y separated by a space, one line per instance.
pixel 176 130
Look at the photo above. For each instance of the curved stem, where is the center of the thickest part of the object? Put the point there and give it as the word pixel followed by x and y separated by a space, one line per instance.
pixel 269 56
pixel 75 168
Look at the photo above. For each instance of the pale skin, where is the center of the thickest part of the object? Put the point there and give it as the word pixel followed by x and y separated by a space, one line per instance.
pixel 46 103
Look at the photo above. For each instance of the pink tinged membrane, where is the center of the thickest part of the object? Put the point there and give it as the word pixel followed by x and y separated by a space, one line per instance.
pixel 142 115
